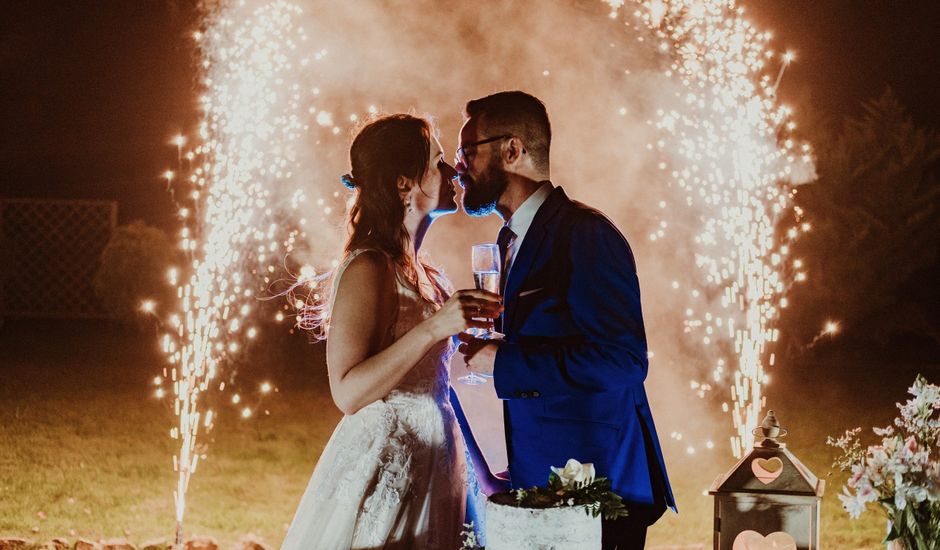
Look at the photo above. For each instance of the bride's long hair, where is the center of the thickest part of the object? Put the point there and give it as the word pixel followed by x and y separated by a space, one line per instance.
pixel 384 149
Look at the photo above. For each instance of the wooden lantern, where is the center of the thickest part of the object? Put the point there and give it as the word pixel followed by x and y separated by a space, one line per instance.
pixel 769 500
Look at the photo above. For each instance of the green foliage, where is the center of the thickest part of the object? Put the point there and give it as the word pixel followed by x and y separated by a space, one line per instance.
pixel 597 497
pixel 134 267
pixel 875 230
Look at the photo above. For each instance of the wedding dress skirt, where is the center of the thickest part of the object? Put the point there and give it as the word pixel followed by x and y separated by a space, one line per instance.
pixel 393 474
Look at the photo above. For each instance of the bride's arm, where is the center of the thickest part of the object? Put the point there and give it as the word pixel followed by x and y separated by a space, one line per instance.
pixel 363 310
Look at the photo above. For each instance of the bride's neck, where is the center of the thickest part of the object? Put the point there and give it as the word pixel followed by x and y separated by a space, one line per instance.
pixel 417 230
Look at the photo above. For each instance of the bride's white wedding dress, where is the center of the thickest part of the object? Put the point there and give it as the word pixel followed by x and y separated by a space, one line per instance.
pixel 393 474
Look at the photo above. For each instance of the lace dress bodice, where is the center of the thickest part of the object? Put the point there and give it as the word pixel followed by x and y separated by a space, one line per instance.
pixel 431 375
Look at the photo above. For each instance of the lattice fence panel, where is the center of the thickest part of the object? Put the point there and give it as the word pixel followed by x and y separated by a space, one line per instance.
pixel 50 251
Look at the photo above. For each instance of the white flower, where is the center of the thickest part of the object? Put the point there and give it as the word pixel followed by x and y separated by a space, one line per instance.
pixel 575 475
pixel 851 504
pixel 884 432
pixel 900 500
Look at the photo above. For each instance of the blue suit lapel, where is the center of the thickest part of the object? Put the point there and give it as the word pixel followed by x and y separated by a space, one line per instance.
pixel 526 255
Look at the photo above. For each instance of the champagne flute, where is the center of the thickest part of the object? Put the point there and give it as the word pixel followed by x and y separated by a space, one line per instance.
pixel 486 264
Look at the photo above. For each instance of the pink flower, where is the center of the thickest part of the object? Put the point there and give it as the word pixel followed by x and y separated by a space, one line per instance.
pixel 866 494
pixel 857 473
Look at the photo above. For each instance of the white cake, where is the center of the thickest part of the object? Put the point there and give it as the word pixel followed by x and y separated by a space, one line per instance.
pixel 560 528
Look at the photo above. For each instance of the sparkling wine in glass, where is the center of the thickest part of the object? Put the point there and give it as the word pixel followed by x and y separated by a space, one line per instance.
pixel 486 262
pixel 487 280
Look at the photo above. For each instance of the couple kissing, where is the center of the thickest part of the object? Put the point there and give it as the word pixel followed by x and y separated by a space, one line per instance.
pixel 569 368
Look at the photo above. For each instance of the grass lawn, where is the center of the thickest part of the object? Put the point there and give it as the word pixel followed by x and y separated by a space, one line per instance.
pixel 83 443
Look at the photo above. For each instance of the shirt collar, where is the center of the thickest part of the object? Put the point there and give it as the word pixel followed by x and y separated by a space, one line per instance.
pixel 522 218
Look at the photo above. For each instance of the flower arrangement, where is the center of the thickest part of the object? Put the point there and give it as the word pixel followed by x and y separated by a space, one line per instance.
pixel 902 474
pixel 574 485
pixel 468 538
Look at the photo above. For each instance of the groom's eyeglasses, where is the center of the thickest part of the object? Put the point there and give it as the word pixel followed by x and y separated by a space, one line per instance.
pixel 462 156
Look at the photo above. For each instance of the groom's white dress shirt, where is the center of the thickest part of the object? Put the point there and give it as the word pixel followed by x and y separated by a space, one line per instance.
pixel 521 220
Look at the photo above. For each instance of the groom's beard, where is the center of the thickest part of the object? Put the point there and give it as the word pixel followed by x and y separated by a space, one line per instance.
pixel 480 195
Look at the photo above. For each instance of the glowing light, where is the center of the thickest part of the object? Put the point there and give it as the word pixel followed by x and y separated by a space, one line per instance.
pixel 308 274
pixel 265 387
pixel 148 306
pixel 831 327
pixel 725 143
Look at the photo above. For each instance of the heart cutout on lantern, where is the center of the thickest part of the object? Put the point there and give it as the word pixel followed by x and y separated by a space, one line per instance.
pixel 767 470
pixel 752 540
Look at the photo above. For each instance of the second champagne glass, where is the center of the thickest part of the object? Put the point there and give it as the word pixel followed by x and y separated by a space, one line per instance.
pixel 486 264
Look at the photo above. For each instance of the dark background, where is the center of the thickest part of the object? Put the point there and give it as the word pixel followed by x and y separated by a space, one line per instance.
pixel 850 51
pixel 92 92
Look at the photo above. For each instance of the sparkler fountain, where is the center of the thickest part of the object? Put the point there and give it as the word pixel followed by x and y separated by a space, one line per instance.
pixel 724 145
pixel 236 237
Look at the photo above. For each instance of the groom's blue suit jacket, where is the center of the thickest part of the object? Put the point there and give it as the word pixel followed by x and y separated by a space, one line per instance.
pixel 573 362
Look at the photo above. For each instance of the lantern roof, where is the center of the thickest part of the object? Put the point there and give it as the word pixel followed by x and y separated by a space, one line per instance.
pixel 769 468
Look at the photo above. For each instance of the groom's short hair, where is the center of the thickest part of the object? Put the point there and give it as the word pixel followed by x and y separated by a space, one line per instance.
pixel 519 114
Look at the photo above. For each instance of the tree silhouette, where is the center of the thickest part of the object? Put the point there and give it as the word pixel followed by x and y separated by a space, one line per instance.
pixel 871 254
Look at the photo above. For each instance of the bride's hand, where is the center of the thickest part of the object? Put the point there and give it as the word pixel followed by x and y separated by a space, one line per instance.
pixel 465 309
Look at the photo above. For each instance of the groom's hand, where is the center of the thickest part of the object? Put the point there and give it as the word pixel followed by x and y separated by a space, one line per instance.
pixel 479 355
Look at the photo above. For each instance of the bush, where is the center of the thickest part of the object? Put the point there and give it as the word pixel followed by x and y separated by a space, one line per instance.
pixel 134 266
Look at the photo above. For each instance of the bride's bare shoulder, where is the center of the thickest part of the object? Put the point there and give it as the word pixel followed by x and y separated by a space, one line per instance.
pixel 369 262
pixel 366 278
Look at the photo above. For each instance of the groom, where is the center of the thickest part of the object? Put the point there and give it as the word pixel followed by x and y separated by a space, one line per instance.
pixel 570 370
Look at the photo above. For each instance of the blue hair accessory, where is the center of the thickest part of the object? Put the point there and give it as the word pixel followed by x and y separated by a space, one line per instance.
pixel 348 181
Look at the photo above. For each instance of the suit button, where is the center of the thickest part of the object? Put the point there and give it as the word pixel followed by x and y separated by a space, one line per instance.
pixel 523 394
pixel 536 394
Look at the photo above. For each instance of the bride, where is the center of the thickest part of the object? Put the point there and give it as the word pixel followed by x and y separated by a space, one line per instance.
pixel 393 474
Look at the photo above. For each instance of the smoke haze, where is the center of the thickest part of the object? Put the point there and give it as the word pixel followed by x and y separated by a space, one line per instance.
pixel 602 80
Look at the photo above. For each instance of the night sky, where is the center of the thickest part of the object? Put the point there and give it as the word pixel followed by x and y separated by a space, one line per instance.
pixel 92 91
